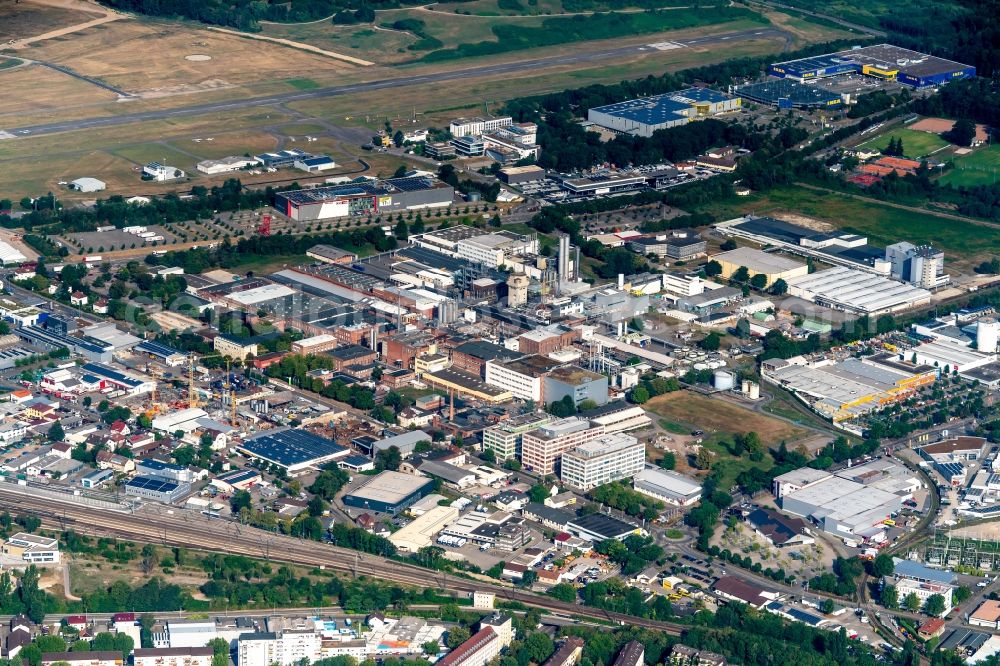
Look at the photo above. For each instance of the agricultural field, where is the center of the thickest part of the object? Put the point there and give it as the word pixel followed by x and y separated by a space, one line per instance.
pixel 964 243
pixel 916 144
pixel 979 167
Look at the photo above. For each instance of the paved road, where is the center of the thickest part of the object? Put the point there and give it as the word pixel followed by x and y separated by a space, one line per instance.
pixel 384 84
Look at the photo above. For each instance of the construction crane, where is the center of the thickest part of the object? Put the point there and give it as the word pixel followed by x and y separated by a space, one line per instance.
pixel 193 400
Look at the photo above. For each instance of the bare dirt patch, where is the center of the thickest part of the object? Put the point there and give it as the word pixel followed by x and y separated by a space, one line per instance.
pixel 27 19
pixel 719 416
pixel 108 52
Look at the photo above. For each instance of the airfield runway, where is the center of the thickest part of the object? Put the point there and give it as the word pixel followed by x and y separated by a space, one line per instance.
pixel 397 82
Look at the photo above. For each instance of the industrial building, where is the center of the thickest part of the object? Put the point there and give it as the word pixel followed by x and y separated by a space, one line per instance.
pixel 789 94
pixel 921 266
pixel 522 376
pixel 389 492
pixel 600 527
pixel 675 245
pixel 421 532
pixel 645 115
pixel 881 61
pixel 576 383
pixel 157 488
pixel 842 390
pixel 603 460
pixel 774 267
pixel 293 449
pixel 852 504
pixel 365 197
pixel 668 487
pixel 852 290
pixel 841 248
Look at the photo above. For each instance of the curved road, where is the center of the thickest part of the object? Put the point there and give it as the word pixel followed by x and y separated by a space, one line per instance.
pixel 383 84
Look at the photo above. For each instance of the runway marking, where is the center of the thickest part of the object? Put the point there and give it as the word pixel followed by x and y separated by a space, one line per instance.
pixel 665 46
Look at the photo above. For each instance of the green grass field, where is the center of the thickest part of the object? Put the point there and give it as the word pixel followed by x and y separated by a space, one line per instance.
pixel 980 167
pixel 915 144
pixel 302 84
pixel 882 224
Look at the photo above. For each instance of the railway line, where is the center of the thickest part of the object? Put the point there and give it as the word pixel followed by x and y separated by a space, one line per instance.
pixel 182 528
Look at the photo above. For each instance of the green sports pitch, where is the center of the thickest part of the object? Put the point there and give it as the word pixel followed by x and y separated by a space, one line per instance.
pixel 915 144
pixel 980 167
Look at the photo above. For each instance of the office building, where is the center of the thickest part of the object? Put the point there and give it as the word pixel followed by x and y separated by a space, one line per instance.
pixel 924 590
pixel 478 125
pixel 541 449
pixel 504 439
pixel 603 460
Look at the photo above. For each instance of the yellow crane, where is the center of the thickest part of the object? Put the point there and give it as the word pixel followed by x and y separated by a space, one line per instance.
pixel 193 400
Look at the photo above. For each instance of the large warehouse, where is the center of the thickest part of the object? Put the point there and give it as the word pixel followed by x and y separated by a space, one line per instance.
pixel 295 450
pixel 645 115
pixel 855 502
pixel 774 266
pixel 856 291
pixel 365 197
pixel 389 492
pixel 789 94
pixel 881 61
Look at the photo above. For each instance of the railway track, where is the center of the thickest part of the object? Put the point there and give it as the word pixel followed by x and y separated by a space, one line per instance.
pixel 191 530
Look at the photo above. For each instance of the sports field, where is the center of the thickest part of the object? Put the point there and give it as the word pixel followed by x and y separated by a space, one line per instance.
pixel 915 144
pixel 980 167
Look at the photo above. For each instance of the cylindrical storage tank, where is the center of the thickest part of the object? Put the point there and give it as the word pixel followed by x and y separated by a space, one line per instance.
pixel 474 196
pixel 754 392
pixel 746 386
pixel 723 381
pixel 987 334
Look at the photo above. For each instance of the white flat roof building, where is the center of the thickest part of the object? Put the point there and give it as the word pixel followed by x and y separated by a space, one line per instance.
pixel 666 486
pixel 179 420
pixel 951 355
pixel 421 532
pixel 852 290
pixel 599 461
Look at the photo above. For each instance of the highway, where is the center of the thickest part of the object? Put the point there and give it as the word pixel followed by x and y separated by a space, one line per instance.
pixel 385 84
pixel 177 527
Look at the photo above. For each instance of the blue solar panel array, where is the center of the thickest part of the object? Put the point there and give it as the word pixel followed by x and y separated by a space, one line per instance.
pixel 114 375
pixel 292 447
pixel 156 349
pixel 153 484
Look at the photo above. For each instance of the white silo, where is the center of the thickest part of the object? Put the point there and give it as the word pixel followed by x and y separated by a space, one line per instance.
pixel 987 334
pixel 754 393
pixel 723 381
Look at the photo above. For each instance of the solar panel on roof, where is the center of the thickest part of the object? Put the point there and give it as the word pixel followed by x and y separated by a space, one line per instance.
pixel 292 447
pixel 152 484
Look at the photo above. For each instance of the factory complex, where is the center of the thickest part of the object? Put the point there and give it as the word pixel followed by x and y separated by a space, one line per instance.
pixel 365 196
pixel 852 504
